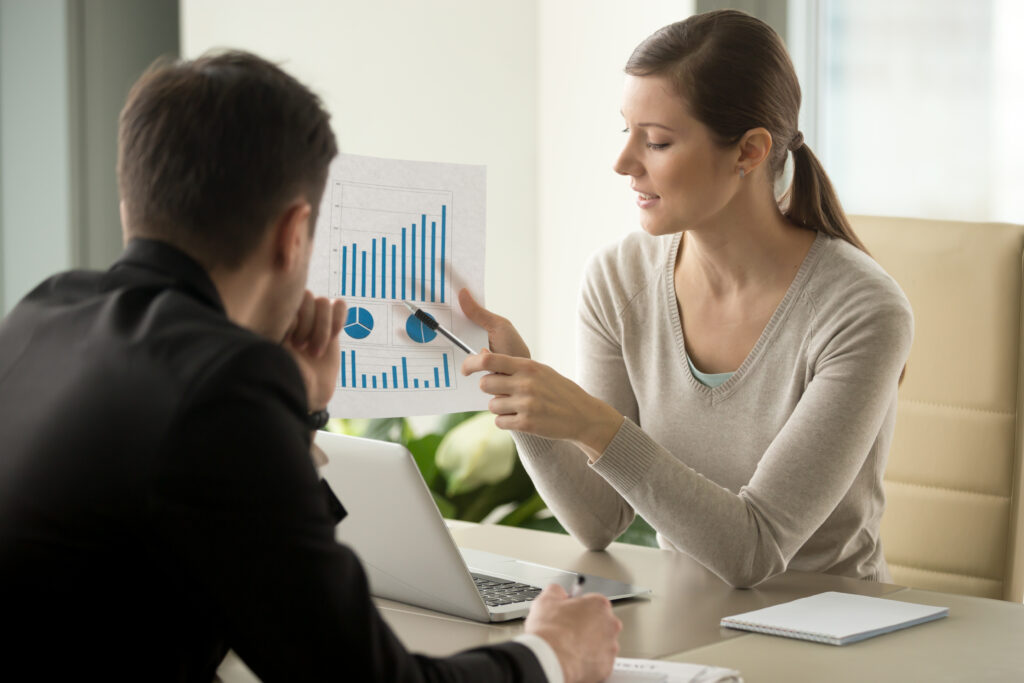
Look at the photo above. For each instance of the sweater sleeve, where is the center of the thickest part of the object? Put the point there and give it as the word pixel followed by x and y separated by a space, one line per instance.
pixel 582 500
pixel 749 536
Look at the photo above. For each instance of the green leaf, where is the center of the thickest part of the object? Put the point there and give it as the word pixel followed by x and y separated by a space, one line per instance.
pixel 639 533
pixel 451 420
pixel 525 511
pixel 545 524
pixel 446 508
pixel 423 451
pixel 385 429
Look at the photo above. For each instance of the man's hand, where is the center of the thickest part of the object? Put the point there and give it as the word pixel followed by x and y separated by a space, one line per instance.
pixel 582 631
pixel 313 342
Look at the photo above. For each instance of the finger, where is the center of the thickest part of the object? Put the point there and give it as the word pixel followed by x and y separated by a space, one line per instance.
pixel 553 592
pixel 303 321
pixel 500 363
pixel 338 310
pixel 321 332
pixel 503 406
pixel 477 313
pixel 498 385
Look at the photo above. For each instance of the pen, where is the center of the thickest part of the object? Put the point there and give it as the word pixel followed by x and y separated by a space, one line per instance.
pixel 577 588
pixel 429 321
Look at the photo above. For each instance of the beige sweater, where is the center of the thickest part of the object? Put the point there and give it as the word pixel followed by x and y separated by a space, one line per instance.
pixel 779 467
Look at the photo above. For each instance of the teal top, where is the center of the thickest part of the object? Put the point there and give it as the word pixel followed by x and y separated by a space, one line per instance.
pixel 708 379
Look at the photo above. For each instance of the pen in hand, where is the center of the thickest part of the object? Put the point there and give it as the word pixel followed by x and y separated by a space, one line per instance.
pixel 431 323
pixel 577 588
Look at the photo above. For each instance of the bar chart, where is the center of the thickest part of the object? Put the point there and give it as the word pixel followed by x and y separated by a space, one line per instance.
pixel 391 242
pixel 368 368
pixel 392 232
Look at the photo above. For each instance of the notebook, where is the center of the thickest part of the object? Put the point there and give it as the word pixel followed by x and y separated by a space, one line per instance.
pixel 835 618
pixel 407 551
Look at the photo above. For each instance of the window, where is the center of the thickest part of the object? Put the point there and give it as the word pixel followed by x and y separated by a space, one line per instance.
pixel 915 106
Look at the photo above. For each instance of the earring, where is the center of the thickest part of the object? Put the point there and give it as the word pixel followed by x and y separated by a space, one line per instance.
pixel 742 173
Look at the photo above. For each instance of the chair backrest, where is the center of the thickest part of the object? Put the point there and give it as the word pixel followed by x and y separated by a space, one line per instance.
pixel 953 519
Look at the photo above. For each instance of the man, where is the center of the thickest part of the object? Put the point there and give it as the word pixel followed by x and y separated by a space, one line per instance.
pixel 158 501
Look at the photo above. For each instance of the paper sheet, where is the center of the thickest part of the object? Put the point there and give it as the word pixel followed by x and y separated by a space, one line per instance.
pixel 655 671
pixel 390 231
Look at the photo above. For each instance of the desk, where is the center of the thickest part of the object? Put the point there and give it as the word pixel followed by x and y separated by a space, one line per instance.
pixel 682 613
pixel 981 640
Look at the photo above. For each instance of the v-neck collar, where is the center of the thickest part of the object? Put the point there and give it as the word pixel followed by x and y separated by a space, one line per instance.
pixel 781 311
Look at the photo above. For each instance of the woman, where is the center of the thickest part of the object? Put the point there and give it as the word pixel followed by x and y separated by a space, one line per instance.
pixel 739 359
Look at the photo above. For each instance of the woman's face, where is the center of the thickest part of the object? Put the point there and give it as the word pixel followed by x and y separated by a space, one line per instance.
pixel 682 178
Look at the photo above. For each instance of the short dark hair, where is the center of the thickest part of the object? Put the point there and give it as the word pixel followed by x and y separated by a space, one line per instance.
pixel 211 150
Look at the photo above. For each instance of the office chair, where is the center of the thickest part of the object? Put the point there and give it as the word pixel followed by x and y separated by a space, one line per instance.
pixel 953 519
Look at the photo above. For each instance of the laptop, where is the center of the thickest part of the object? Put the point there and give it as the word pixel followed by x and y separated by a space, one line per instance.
pixel 407 551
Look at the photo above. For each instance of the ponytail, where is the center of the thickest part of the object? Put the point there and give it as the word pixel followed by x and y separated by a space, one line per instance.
pixel 811 201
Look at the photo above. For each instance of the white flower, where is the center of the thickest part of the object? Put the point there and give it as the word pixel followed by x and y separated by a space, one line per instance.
pixel 421 425
pixel 475 453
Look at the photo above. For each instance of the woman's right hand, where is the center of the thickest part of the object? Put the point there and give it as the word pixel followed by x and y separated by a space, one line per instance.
pixel 502 336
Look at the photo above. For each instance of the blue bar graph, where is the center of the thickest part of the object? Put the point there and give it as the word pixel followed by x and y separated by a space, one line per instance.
pixel 444 212
pixel 423 257
pixel 408 264
pixel 352 377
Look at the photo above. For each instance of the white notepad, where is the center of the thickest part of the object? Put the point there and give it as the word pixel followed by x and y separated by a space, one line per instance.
pixel 835 618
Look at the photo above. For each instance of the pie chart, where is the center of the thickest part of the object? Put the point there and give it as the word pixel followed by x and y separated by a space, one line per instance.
pixel 358 323
pixel 417 331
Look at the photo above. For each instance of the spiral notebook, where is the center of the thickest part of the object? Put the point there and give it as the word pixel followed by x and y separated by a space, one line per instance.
pixel 835 618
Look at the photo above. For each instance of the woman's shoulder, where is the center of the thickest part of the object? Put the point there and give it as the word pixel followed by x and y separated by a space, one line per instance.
pixel 630 263
pixel 848 280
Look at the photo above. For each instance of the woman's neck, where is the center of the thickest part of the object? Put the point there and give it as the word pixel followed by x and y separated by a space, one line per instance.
pixel 748 246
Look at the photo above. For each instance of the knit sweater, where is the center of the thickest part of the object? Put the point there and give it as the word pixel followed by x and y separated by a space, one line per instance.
pixel 779 467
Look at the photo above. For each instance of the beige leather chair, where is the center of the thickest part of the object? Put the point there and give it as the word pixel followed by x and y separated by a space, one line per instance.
pixel 953 520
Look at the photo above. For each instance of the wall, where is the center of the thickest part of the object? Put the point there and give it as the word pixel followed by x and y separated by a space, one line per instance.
pixel 583 203
pixel 117 40
pixel 35 155
pixel 446 80
pixel 65 68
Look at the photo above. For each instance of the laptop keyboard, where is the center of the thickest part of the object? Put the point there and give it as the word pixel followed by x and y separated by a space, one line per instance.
pixel 497 592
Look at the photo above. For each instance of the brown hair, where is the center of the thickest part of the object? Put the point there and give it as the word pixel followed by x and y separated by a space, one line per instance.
pixel 210 151
pixel 735 74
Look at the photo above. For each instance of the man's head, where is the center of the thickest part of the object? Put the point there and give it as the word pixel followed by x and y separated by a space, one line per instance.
pixel 213 151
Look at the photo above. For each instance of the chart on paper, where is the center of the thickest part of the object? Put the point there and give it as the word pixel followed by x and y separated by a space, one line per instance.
pixel 388 232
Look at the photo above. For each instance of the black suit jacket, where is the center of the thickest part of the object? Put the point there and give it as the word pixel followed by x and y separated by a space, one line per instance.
pixel 158 503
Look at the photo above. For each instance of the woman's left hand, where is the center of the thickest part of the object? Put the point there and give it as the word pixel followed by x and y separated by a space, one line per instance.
pixel 531 397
